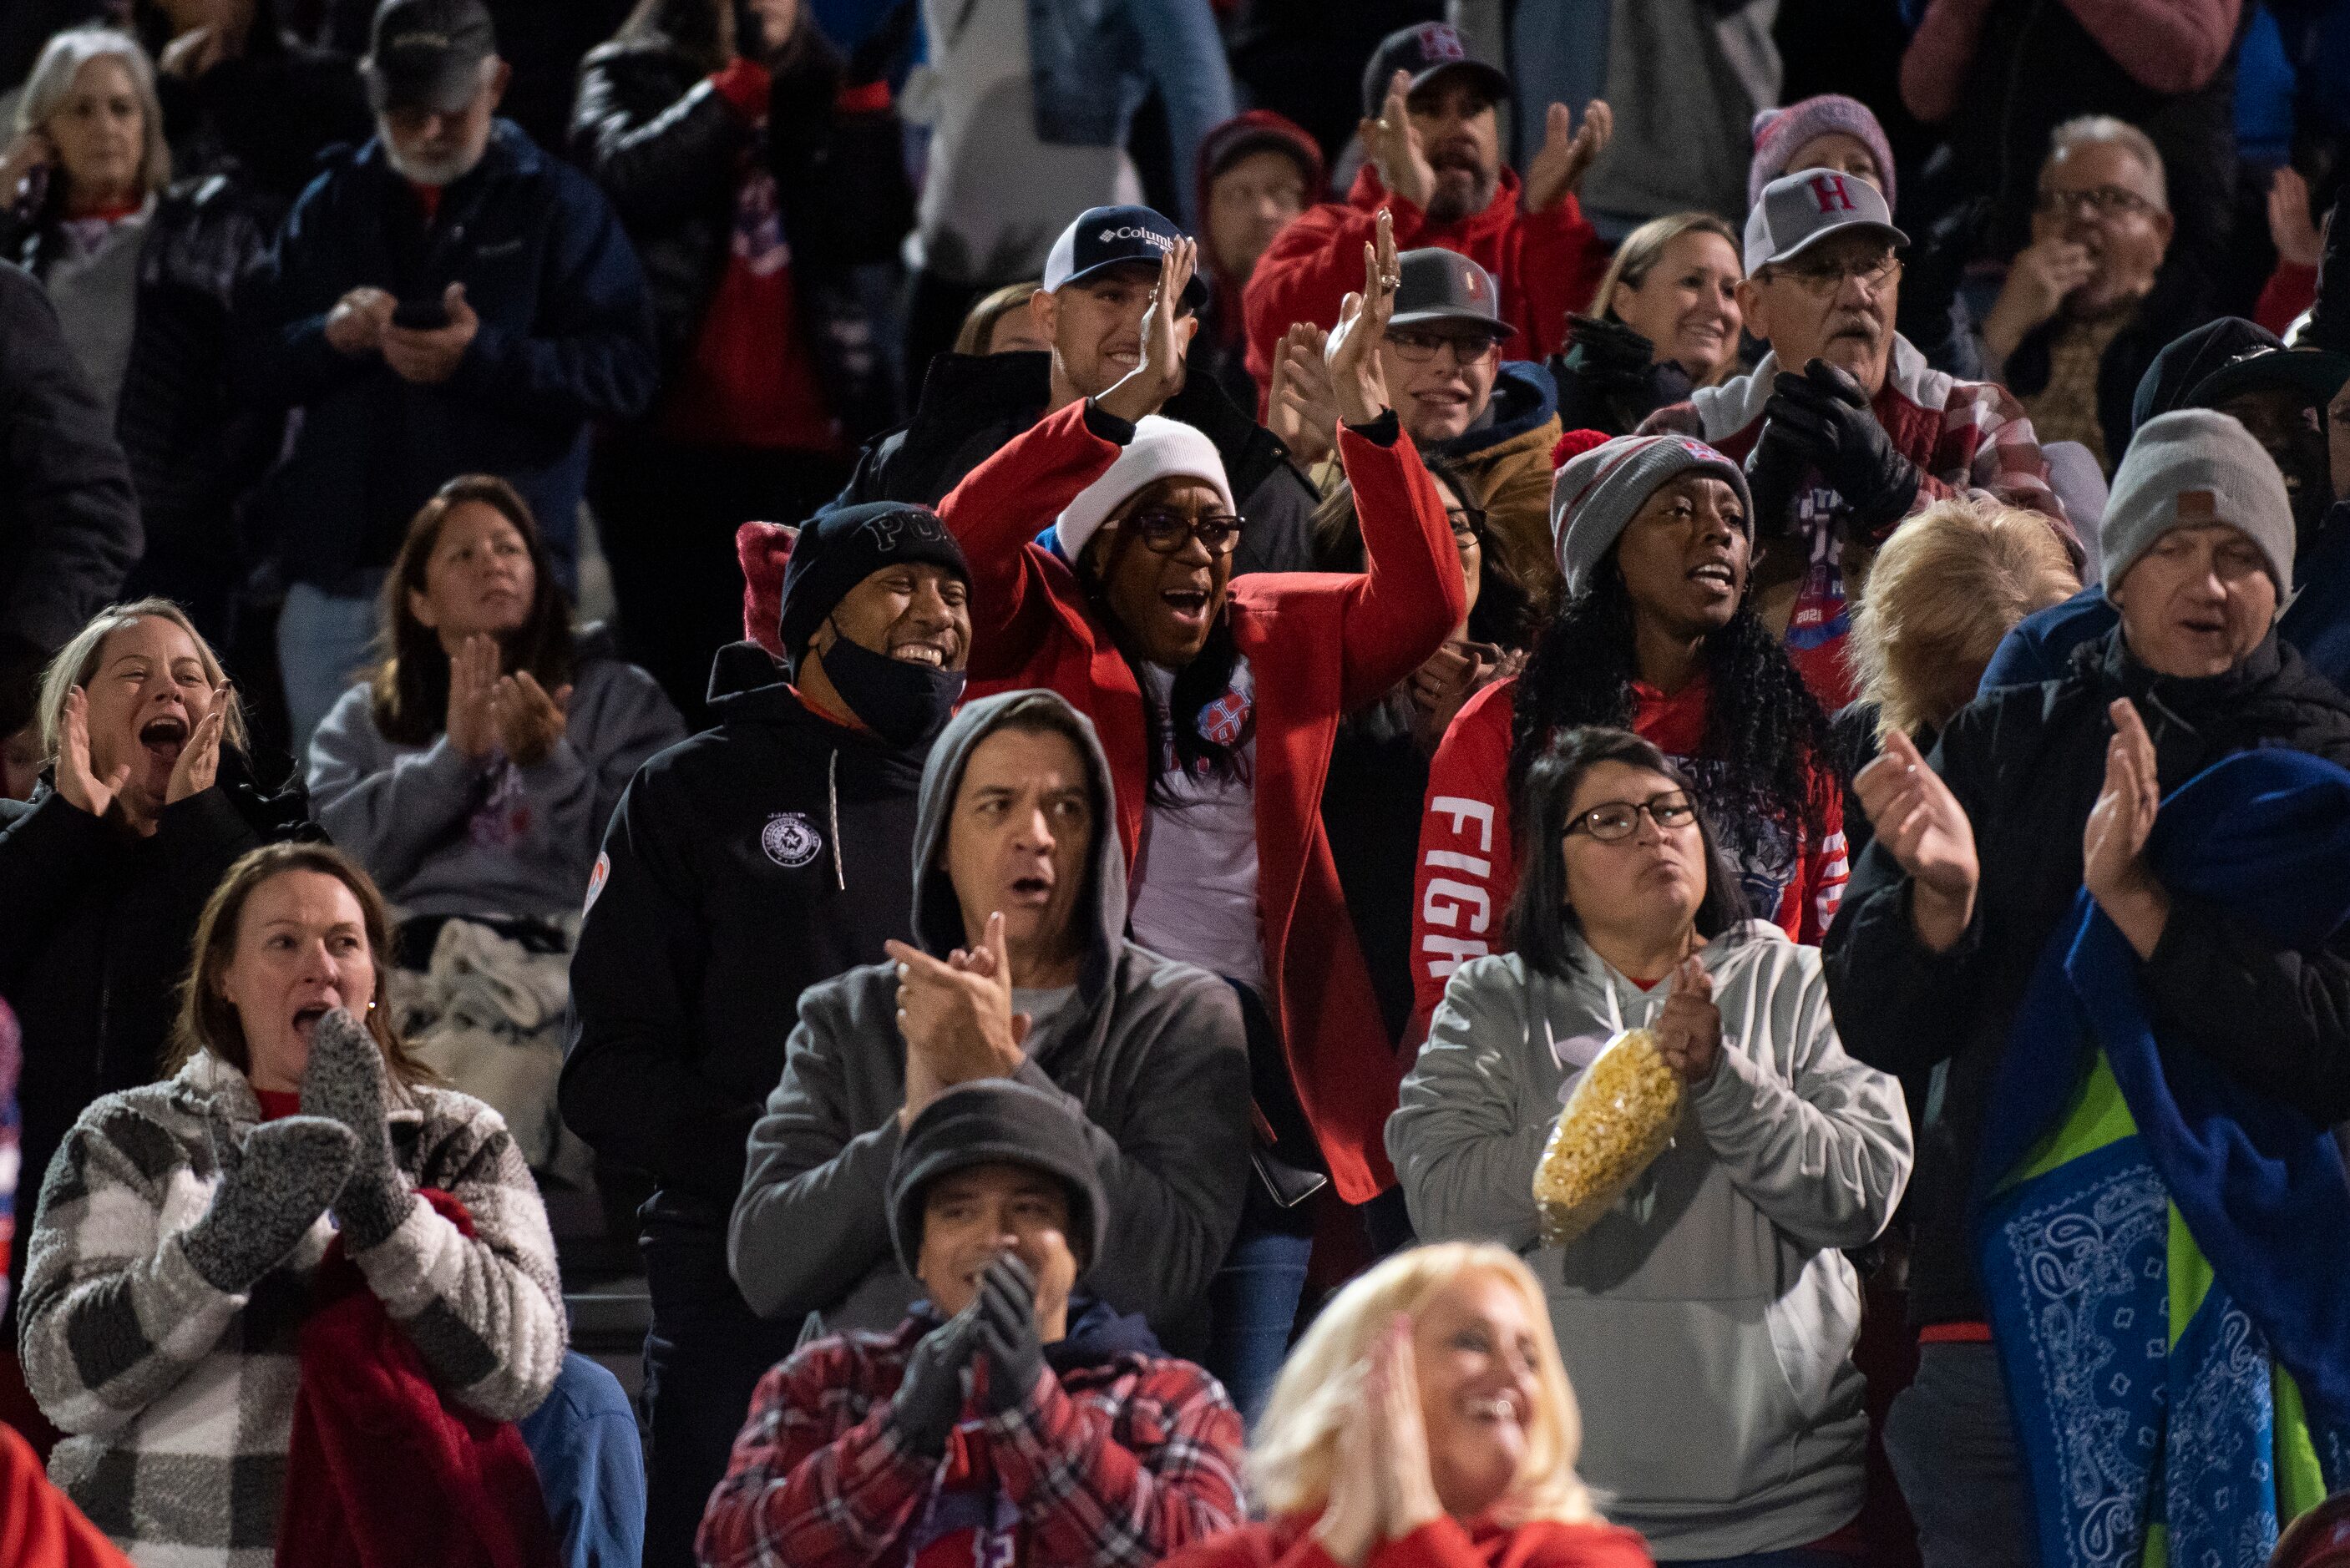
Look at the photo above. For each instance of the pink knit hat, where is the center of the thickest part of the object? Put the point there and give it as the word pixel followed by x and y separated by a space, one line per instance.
pixel 1779 133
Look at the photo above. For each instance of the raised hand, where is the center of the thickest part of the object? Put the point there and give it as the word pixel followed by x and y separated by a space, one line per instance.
pixel 471 723
pixel 1824 414
pixel 1354 1519
pixel 81 787
pixel 2113 843
pixel 1357 382
pixel 1924 829
pixel 956 1017
pixel 1448 678
pixel 929 1398
pixel 1393 146
pixel 2041 275
pixel 529 721
pixel 1301 408
pixel 1007 1332
pixel 1166 337
pixel 1689 1029
pixel 198 767
pixel 1399 1434
pixel 343 1082
pixel 2290 228
pixel 272 1188
pixel 1567 153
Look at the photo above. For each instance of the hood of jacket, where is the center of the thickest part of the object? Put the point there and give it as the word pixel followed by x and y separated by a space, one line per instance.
pixel 938 914
pixel 1524 399
pixel 1251 130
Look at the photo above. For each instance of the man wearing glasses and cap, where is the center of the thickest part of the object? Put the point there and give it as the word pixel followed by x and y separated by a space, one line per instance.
pixel 1843 428
pixel 445 299
pixel 1433 159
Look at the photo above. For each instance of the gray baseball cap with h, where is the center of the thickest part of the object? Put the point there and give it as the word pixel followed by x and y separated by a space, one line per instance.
pixel 427 55
pixel 1798 211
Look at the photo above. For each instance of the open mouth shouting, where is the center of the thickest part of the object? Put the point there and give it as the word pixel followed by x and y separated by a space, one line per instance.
pixel 164 737
pixel 305 1019
pixel 1186 607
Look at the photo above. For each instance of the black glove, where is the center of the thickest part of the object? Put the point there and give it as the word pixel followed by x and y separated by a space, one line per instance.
pixel 1609 352
pixel 1824 415
pixel 930 1401
pixel 1007 1332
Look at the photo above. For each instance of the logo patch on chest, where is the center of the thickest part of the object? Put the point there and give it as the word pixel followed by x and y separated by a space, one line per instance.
pixel 790 839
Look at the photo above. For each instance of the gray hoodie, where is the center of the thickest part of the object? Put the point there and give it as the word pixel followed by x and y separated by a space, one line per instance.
pixel 1707 1320
pixel 1149 1054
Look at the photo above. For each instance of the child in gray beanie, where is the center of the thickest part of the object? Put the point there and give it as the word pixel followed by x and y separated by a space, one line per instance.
pixel 2192 469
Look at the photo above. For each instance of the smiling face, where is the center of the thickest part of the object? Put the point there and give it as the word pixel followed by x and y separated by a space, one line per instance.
pixel 1684 556
pixel 1257 195
pixel 974 1216
pixel 101 133
pixel 1166 604
pixel 1474 1351
pixel 2290 429
pixel 2100 196
pixel 149 693
pixel 1840 151
pixel 1848 323
pixel 1640 892
pixel 1688 303
pixel 300 951
pixel 1096 326
pixel 1020 840
pixel 1441 374
pixel 915 613
pixel 1462 140
pixel 478 578
pixel 2196 602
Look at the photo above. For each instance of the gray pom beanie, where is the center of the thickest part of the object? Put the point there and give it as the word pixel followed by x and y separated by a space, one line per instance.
pixel 1599 492
pixel 2188 469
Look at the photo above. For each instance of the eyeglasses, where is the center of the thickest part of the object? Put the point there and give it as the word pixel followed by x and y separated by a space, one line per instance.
pixel 1618 819
pixel 1468 523
pixel 1418 347
pixel 1825 277
pixel 1219 533
pixel 2102 202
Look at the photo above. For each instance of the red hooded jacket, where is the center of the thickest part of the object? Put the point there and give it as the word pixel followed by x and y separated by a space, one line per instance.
pixel 1320 643
pixel 1251 130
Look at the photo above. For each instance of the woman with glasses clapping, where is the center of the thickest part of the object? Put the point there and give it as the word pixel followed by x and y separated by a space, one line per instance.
pixel 1219 701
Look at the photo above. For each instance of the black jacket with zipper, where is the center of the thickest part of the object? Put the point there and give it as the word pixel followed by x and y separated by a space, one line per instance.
pixel 2027 764
pixel 742 866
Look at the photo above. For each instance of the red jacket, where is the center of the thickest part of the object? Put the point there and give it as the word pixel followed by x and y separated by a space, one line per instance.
pixel 1467 868
pixel 40 1528
pixel 1289 1542
pixel 1109 1465
pixel 1545 264
pixel 1321 645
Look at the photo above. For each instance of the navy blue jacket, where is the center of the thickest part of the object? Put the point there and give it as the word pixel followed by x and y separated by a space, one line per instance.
pixel 566 337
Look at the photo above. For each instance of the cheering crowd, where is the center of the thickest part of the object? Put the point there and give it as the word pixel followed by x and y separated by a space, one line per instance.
pixel 1008 734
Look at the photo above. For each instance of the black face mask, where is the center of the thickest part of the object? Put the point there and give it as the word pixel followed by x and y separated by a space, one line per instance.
pixel 906 704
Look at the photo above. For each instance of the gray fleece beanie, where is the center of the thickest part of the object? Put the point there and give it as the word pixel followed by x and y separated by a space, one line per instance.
pixel 996 1121
pixel 2188 469
pixel 1599 492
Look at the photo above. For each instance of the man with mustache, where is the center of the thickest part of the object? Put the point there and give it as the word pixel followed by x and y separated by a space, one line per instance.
pixel 1433 159
pixel 1843 429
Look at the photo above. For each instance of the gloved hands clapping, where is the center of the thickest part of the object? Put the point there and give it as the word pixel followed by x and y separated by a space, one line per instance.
pixel 344 1083
pixel 1007 1332
pixel 274 1186
pixel 1823 415
pixel 930 1401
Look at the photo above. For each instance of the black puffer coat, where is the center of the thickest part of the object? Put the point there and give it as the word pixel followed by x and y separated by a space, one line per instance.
pixel 670 151
pixel 2027 764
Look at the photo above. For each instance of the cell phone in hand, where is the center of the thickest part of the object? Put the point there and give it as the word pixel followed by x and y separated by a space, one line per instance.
pixel 420 315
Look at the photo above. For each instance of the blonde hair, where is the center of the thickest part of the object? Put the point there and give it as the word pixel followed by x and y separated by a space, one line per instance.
pixel 979 325
pixel 1945 587
pixel 77 663
pixel 52 82
pixel 1644 247
pixel 1296 1441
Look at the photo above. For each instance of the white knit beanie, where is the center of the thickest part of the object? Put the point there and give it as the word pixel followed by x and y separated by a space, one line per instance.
pixel 1161 448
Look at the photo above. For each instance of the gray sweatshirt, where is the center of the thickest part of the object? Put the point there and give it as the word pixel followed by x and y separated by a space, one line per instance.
pixel 443 834
pixel 1707 1320
pixel 1149 1054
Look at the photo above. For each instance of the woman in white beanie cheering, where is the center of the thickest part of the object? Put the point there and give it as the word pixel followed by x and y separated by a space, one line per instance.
pixel 1219 701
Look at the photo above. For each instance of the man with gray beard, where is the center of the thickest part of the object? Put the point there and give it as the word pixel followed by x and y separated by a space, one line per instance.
pixel 444 300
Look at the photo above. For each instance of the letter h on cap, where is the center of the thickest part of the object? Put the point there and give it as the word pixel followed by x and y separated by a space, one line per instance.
pixel 1829 190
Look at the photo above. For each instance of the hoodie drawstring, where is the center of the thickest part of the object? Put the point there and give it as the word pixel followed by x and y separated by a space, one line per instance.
pixel 832 795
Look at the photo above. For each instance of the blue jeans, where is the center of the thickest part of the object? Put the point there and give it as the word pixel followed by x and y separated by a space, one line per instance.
pixel 1952 1445
pixel 323 641
pixel 1252 1300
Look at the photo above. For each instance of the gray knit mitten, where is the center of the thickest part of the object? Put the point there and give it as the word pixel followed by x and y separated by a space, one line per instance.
pixel 344 1082
pixel 272 1188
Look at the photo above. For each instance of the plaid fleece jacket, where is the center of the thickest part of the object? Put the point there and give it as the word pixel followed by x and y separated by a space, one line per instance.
pixel 176 1398
pixel 1114 1464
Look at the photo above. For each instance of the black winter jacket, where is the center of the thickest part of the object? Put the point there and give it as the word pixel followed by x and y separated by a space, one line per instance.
pixel 972 404
pixel 670 151
pixel 2027 764
pixel 97 932
pixel 742 866
pixel 2180 299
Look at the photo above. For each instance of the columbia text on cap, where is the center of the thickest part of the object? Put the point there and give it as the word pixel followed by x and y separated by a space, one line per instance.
pixel 1105 237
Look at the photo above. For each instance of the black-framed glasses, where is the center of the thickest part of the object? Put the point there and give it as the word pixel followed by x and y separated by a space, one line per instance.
pixel 1468 525
pixel 1219 533
pixel 2101 201
pixel 1612 820
pixel 1414 347
pixel 1825 277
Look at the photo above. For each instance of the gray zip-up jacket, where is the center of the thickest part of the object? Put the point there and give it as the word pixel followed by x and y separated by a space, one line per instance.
pixel 1149 1052
pixel 1707 1320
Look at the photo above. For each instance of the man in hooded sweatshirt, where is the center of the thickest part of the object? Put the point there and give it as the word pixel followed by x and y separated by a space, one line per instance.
pixel 742 866
pixel 1012 1415
pixel 1019 968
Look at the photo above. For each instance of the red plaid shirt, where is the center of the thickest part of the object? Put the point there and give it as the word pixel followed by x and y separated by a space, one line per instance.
pixel 1116 1464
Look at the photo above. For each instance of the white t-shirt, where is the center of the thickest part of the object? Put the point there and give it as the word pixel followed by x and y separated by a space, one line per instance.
pixel 1195 880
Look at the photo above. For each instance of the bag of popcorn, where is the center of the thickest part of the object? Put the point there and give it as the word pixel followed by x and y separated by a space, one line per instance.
pixel 1619 1117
